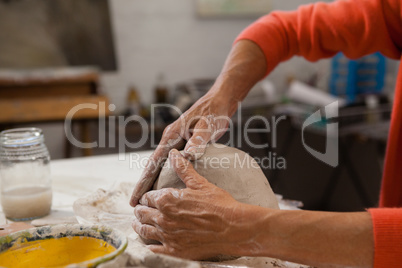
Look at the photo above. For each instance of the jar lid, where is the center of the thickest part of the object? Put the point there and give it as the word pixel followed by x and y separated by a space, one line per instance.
pixel 18 137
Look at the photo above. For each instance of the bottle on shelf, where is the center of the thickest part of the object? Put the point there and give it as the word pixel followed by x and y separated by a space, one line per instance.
pixel 162 114
pixel 161 89
pixel 133 102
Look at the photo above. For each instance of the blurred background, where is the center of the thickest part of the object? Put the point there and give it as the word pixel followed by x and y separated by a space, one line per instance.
pixel 123 56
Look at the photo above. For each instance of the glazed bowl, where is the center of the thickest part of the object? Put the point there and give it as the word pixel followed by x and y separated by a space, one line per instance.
pixel 61 246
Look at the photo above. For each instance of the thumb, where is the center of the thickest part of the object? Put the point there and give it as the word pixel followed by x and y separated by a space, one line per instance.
pixel 185 170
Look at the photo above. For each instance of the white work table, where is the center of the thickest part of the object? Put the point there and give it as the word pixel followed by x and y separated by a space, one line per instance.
pixel 77 177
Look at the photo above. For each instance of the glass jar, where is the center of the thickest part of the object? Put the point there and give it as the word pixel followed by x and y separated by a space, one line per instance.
pixel 26 191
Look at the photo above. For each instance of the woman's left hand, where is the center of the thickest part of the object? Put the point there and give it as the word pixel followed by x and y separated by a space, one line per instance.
pixel 198 222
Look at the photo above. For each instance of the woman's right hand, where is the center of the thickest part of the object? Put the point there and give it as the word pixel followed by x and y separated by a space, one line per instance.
pixel 206 121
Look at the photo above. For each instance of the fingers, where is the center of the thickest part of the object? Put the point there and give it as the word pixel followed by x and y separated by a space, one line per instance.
pixel 146 180
pixel 143 185
pixel 161 249
pixel 146 231
pixel 154 165
pixel 185 170
pixel 154 198
pixel 207 129
pixel 147 215
pixel 203 131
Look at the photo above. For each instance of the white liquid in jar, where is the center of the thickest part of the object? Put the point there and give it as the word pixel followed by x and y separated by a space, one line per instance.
pixel 26 202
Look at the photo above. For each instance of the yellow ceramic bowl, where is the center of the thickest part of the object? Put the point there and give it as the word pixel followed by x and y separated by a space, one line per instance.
pixel 61 245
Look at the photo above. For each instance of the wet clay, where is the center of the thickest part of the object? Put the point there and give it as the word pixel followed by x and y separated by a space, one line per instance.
pixel 230 169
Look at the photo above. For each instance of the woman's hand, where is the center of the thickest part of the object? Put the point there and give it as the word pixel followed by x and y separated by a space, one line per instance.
pixel 203 221
pixel 206 121
pixel 198 222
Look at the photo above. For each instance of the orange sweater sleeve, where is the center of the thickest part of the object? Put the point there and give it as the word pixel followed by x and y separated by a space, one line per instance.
pixel 387 228
pixel 357 28
pixel 320 30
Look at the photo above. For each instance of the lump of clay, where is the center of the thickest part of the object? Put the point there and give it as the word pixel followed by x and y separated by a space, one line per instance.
pixel 230 169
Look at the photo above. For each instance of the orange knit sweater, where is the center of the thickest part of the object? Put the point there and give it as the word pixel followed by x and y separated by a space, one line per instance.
pixel 357 28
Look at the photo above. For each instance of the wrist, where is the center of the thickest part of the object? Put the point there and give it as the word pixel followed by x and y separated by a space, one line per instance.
pixel 223 94
pixel 249 232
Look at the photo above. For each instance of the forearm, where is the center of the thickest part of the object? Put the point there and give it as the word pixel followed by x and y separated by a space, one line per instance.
pixel 244 67
pixel 321 239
